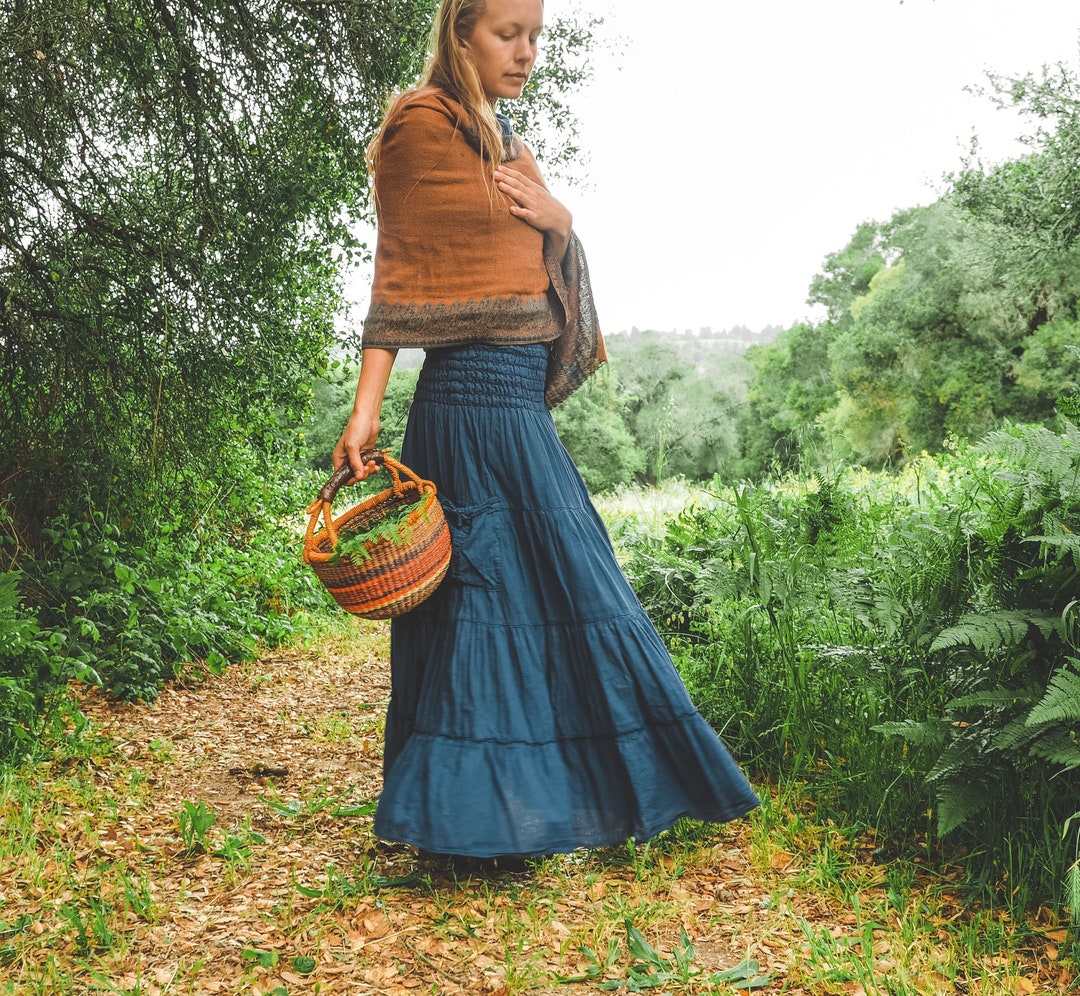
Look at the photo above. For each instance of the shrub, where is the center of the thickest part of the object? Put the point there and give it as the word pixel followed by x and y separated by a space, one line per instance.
pixel 906 643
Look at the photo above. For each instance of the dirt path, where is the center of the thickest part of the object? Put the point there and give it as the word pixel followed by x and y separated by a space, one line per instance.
pixel 290 897
pixel 219 842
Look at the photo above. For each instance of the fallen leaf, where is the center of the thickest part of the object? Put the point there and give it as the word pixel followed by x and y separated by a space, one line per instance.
pixel 781 861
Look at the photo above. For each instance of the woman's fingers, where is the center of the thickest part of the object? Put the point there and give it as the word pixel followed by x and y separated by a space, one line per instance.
pixel 359 435
pixel 517 186
pixel 532 202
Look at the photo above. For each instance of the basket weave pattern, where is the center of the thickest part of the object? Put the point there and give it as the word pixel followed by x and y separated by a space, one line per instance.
pixel 395 576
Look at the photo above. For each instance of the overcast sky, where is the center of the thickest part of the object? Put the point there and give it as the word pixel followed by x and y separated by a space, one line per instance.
pixel 733 144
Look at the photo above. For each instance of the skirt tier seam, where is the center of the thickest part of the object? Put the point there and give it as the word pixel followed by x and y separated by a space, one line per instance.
pixel 565 624
pixel 613 737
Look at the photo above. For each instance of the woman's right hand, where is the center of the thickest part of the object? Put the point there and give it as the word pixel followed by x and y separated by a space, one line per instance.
pixel 362 429
pixel 360 434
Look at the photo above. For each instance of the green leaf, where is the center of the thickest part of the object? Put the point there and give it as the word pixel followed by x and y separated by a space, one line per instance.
pixel 365 810
pixel 742 976
pixel 264 959
pixel 639 947
pixel 994 630
pixel 393 527
pixel 1062 699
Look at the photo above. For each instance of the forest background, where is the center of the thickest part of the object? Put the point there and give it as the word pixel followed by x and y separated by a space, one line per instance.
pixel 868 577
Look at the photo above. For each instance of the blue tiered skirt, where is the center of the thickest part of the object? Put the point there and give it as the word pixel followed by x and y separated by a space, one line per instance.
pixel 534 709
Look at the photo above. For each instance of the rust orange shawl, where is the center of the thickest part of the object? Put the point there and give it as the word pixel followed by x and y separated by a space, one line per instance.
pixel 453 266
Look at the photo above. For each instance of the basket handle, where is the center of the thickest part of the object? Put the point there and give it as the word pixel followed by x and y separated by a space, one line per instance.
pixel 322 504
pixel 330 489
pixel 396 471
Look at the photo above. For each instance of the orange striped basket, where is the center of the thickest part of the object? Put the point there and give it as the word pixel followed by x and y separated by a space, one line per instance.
pixel 397 575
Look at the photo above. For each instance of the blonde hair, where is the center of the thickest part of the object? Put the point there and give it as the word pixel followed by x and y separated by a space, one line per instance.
pixel 450 67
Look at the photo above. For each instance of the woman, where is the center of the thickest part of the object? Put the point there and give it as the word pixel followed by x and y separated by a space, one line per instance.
pixel 534 708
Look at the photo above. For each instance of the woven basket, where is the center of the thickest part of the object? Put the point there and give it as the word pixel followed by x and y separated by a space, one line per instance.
pixel 395 576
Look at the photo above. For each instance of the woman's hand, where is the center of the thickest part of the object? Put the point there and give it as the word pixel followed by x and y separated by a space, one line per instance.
pixel 360 434
pixel 362 429
pixel 532 203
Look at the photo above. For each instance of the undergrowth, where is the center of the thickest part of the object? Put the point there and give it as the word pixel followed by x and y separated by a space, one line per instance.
pixel 124 603
pixel 906 644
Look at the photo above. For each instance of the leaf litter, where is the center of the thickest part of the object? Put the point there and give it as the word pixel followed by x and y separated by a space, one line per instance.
pixel 219 841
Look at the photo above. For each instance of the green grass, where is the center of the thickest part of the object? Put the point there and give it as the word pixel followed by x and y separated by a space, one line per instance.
pixel 119 875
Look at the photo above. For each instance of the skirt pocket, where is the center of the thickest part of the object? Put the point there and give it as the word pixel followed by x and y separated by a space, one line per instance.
pixel 474 532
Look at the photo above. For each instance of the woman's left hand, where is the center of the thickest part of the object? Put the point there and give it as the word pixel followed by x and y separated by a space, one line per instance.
pixel 532 203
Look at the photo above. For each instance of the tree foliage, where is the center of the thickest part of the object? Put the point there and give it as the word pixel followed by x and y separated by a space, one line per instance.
pixel 177 186
pixel 682 413
pixel 592 426
pixel 944 320
pixel 173 180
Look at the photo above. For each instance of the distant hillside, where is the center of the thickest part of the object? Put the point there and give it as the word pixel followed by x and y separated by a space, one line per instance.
pixel 697 344
pixel 692 344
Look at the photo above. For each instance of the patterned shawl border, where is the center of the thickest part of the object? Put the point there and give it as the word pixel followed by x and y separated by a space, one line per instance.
pixel 579 352
pixel 434 325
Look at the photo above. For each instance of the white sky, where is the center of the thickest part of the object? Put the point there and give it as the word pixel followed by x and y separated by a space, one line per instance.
pixel 733 144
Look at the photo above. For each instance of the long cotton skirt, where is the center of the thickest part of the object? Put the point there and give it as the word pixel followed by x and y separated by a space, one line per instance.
pixel 534 708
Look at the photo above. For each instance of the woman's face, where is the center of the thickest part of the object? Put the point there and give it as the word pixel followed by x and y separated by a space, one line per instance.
pixel 503 45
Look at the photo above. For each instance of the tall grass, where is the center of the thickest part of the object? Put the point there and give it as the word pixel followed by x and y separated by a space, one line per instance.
pixel 906 644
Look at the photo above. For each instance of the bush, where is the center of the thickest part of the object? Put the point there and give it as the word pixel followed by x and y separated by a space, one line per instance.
pixel 131 602
pixel 907 643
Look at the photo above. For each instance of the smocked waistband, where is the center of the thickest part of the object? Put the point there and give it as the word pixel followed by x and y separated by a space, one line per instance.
pixel 480 375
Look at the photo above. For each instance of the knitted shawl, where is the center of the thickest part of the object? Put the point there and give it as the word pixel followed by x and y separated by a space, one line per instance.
pixel 453 266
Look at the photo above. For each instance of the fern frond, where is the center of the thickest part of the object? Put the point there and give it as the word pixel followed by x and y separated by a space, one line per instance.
pixel 917 732
pixel 958 801
pixel 993 697
pixel 1062 698
pixel 994 630
pixel 1058 747
pixel 1036 453
pixel 1015 735
pixel 962 759
pixel 1066 541
pixel 9 592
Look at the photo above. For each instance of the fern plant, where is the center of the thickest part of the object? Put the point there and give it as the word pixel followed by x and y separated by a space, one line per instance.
pixel 1011 729
pixel 393 527
pixel 904 642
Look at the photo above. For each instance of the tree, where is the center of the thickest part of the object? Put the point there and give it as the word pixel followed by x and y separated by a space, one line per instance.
pixel 177 185
pixel 682 414
pixel 594 432
pixel 847 274
pixel 1031 204
pixel 792 385
pixel 172 177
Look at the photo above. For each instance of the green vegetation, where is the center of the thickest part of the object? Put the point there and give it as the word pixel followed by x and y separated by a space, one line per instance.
pixel 907 645
pixel 393 527
pixel 874 594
